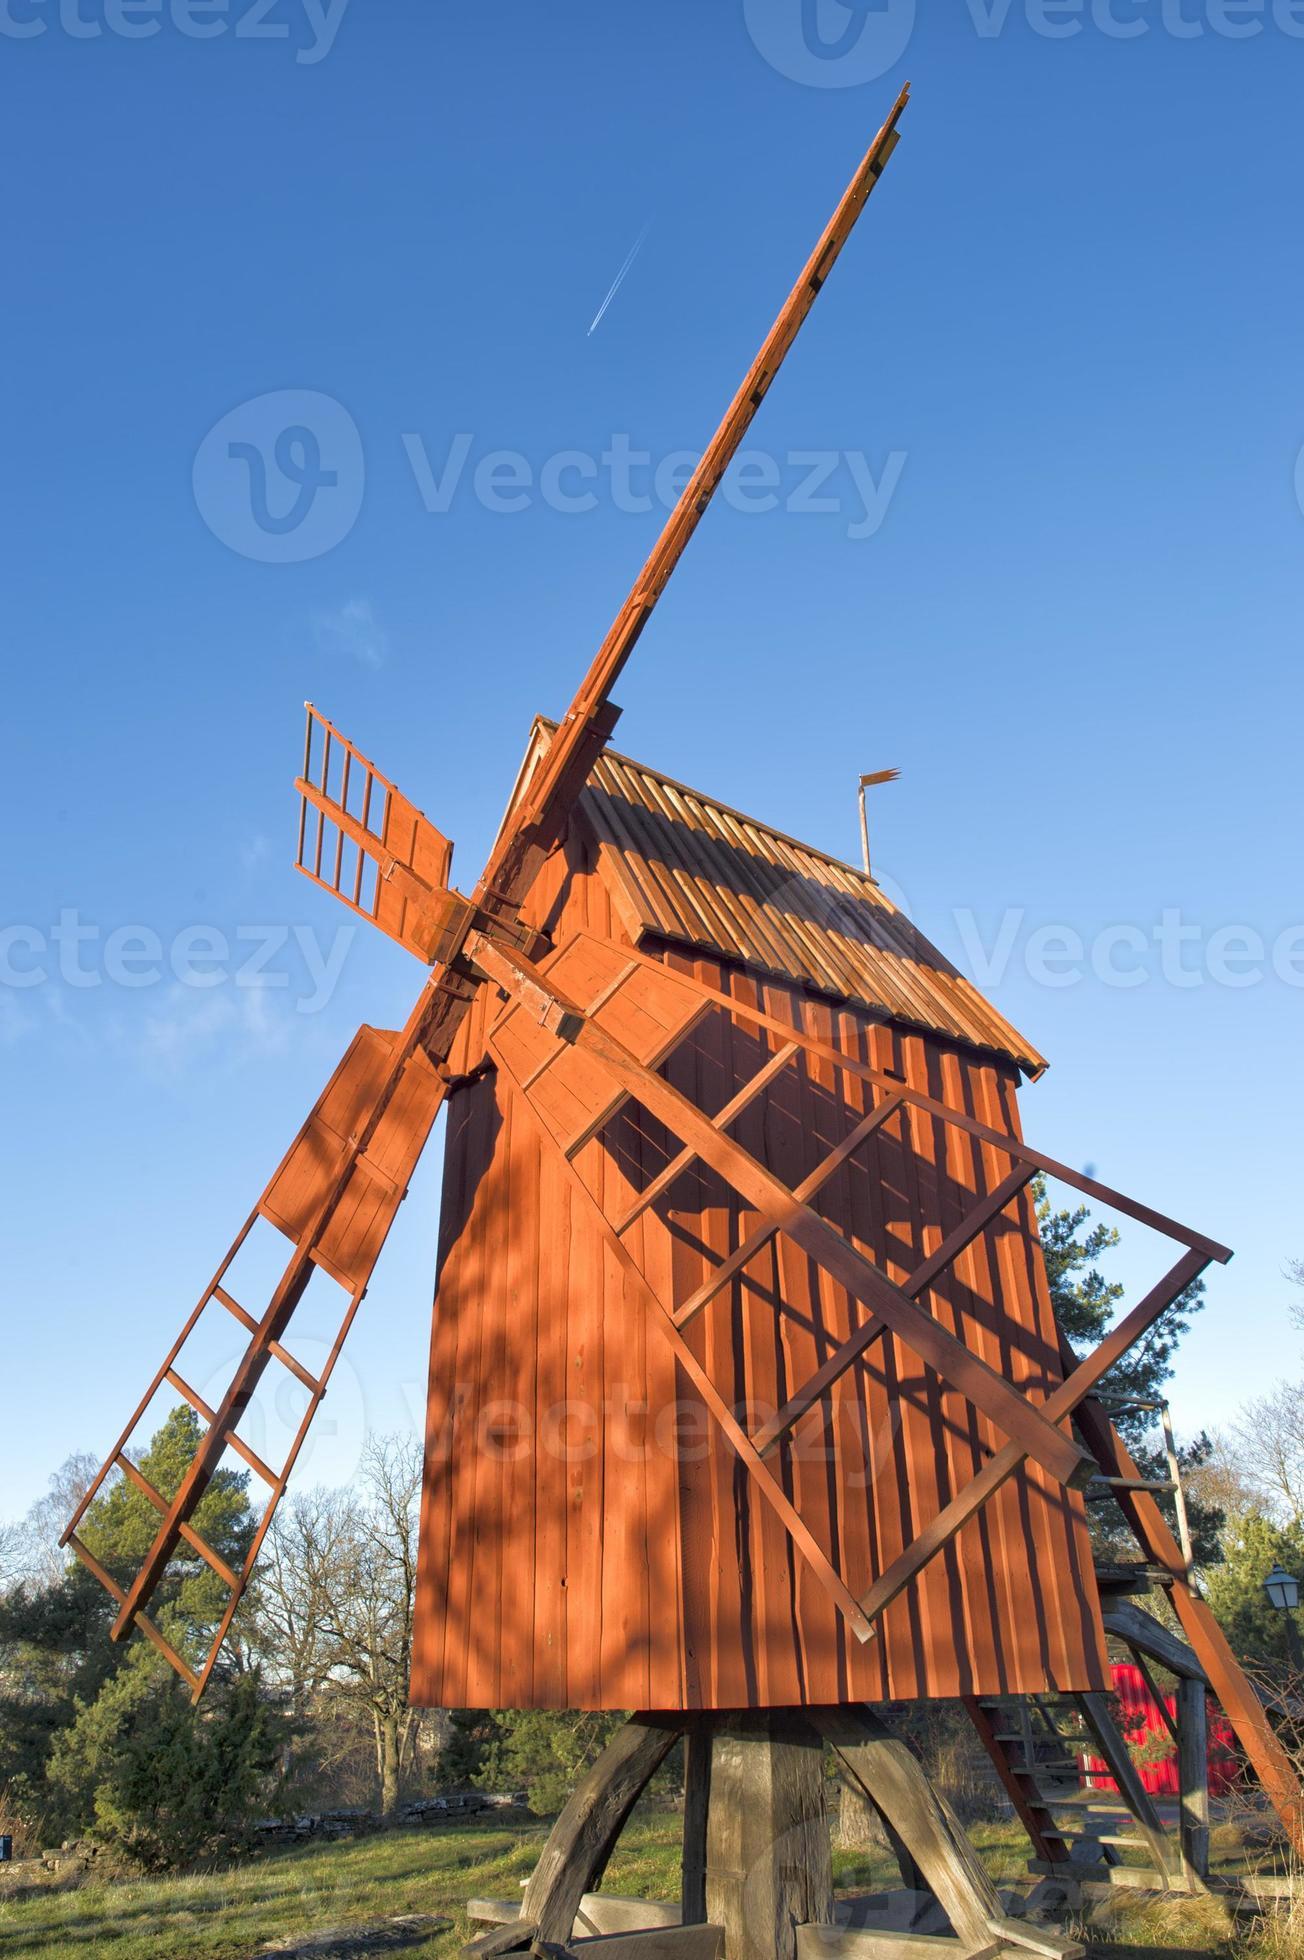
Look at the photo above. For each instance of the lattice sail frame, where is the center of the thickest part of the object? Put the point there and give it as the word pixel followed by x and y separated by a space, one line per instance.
pixel 574 1046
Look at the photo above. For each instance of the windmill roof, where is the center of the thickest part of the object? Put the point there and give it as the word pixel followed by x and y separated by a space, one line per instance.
pixel 688 869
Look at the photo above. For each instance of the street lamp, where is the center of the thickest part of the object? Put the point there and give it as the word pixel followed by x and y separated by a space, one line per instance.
pixel 1283 1593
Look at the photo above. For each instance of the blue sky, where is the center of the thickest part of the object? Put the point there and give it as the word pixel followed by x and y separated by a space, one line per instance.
pixel 1056 384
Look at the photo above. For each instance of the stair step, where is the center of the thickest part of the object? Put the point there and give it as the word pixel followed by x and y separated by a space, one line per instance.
pixel 1132 1577
pixel 1106 1484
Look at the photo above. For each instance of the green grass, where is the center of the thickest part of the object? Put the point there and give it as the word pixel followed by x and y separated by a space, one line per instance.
pixel 229 1915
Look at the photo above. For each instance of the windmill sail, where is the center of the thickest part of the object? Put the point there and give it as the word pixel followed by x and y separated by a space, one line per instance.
pixel 334 1197
pixel 362 840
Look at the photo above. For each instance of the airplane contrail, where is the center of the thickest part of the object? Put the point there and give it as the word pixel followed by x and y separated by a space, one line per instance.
pixel 621 277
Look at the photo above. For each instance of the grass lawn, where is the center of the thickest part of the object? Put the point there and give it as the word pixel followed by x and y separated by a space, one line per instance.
pixel 229 1915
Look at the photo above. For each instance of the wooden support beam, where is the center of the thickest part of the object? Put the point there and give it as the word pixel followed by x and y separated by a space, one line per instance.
pixel 697 1805
pixel 732 1110
pixel 1012 1146
pixel 769 1867
pixel 873 1943
pixel 583 1838
pixel 1081 1379
pixel 975 1221
pixel 1193 1774
pixel 1143 1631
pixel 654 1943
pixel 889 1774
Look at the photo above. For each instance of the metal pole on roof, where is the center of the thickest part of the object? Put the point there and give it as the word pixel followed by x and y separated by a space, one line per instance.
pixel 871 782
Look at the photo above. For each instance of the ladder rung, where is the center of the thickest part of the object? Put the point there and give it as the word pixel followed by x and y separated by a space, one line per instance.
pixel 168 1651
pixel 237 1443
pixel 1045 1768
pixel 246 1319
pixel 297 1368
pixel 142 1620
pixel 188 1532
pixel 190 1395
pixel 1034 1741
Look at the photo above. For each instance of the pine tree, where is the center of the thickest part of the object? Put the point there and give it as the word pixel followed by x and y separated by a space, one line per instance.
pixel 1086 1305
pixel 106 1732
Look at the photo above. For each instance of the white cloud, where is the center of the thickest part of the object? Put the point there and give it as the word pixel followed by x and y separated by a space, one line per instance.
pixel 353 629
pixel 238 1024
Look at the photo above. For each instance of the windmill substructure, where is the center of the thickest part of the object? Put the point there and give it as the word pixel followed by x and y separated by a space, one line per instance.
pixel 748 1406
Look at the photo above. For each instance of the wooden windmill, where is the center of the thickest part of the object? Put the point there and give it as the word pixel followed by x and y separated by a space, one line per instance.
pixel 748 1407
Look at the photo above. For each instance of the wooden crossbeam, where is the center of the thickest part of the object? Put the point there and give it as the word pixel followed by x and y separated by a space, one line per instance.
pixel 212 1559
pixel 1056 1408
pixel 1012 1146
pixel 146 1625
pixel 777 1221
pixel 734 1108
pixel 975 1221
pixel 937 1348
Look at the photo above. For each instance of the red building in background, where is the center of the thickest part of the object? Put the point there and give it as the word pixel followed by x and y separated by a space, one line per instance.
pixel 1142 1721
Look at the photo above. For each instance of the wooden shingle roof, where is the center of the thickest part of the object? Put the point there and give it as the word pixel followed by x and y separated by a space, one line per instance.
pixel 687 869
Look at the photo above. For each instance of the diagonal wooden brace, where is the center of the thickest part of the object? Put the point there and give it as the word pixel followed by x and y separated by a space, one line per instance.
pixel 974 1222
pixel 938 1349
pixel 1062 1403
pixel 739 1441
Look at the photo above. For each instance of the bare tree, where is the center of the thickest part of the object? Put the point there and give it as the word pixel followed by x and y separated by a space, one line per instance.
pixel 1267 1441
pixel 336 1600
pixel 1269 1447
pixel 30 1549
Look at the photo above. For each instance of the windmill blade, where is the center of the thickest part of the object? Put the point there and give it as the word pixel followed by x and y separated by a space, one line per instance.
pixel 362 840
pixel 333 1196
pixel 547 798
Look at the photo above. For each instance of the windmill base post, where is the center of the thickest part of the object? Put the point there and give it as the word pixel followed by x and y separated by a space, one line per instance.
pixel 757 1859
pixel 768 1855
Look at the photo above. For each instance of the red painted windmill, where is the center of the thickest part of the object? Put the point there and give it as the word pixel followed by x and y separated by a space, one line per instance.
pixel 735 1181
